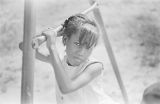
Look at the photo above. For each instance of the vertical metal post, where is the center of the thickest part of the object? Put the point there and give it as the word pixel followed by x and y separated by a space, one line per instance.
pixel 28 54
pixel 108 47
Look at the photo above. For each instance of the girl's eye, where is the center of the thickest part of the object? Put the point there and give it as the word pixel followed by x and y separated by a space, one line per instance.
pixel 77 43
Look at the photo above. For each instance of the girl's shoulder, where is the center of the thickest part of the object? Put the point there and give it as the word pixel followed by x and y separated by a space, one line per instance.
pixel 93 63
pixel 93 60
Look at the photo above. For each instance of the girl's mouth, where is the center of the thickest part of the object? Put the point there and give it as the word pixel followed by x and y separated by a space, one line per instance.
pixel 78 58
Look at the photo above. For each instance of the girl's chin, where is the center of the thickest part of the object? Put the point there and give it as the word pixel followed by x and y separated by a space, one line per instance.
pixel 77 62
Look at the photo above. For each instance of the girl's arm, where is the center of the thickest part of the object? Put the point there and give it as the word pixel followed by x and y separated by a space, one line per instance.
pixel 38 55
pixel 66 84
pixel 42 57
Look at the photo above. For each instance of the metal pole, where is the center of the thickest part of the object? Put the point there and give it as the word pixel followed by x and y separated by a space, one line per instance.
pixel 28 54
pixel 108 47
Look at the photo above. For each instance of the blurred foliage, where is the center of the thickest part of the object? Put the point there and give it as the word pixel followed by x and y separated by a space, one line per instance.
pixel 144 30
pixel 11 26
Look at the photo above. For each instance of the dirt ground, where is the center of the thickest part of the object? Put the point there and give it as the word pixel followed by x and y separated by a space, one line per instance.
pixel 133 31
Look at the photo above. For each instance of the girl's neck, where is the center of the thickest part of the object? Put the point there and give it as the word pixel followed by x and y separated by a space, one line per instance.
pixel 69 62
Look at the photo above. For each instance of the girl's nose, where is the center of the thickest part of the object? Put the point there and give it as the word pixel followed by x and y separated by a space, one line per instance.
pixel 82 50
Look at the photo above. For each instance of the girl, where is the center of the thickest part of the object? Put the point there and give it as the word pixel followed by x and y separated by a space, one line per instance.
pixel 78 77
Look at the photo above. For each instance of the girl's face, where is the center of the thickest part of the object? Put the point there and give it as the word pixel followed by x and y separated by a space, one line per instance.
pixel 76 53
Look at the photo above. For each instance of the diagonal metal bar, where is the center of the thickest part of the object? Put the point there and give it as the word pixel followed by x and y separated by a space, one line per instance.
pixel 108 47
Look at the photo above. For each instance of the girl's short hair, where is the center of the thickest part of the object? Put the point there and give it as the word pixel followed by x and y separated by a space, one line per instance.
pixel 87 28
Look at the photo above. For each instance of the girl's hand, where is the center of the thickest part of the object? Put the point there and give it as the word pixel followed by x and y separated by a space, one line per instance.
pixel 51 37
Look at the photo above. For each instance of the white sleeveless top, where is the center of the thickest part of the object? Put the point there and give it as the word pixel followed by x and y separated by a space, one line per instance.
pixel 92 93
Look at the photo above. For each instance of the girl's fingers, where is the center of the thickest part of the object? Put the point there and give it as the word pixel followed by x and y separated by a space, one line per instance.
pixel 59 30
pixel 50 37
pixel 49 33
pixel 56 31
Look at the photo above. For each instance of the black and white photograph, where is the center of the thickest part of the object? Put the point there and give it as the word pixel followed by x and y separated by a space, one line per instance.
pixel 79 51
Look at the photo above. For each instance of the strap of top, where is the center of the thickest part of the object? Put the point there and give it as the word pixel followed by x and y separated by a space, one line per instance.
pixel 93 62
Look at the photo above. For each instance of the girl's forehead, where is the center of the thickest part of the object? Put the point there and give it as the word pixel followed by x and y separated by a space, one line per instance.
pixel 75 37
